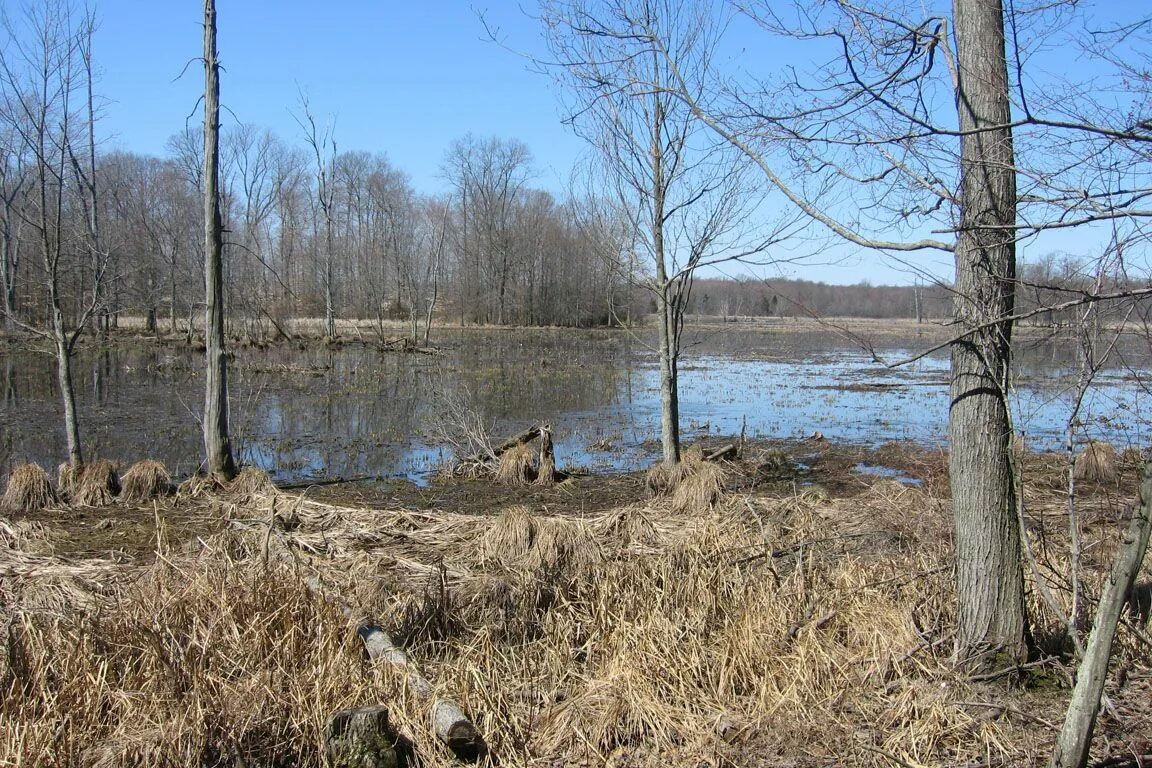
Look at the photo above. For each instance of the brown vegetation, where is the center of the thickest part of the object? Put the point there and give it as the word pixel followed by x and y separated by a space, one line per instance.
pixel 1097 463
pixel 144 481
pixel 95 484
pixel 514 466
pixel 29 489
pixel 793 629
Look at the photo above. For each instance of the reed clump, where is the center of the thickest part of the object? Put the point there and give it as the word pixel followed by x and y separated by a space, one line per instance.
pixel 95 484
pixel 29 490
pixel 1098 462
pixel 144 481
pixel 515 466
pixel 250 483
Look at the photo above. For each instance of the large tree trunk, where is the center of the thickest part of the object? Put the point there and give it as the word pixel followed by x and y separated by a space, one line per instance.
pixel 990 584
pixel 217 446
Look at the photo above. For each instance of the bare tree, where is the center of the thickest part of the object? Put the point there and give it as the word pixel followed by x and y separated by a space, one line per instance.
pixel 48 107
pixel 684 193
pixel 918 119
pixel 324 153
pixel 217 444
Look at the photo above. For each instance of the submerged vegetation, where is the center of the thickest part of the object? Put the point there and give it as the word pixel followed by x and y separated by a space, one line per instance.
pixel 781 624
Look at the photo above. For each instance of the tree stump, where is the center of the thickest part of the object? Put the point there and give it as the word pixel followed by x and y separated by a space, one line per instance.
pixel 361 738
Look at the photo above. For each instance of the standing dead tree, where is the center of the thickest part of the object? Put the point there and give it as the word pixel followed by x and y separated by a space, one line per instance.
pixel 217 445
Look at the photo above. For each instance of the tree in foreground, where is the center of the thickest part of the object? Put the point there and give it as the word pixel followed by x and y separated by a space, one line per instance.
pixel 915 116
pixel 47 114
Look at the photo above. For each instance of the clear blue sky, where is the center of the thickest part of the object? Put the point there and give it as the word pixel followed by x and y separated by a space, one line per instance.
pixel 403 78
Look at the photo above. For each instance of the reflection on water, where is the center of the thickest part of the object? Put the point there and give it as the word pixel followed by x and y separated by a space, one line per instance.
pixel 313 412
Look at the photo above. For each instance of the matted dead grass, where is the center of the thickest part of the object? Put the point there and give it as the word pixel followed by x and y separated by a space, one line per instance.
pixel 795 631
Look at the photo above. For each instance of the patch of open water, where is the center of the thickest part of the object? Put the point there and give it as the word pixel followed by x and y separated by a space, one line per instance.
pixel 314 412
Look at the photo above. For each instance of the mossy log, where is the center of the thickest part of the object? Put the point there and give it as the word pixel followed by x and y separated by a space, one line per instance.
pixel 361 738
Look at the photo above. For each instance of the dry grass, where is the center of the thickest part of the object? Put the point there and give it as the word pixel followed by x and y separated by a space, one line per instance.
pixel 799 631
pixel 66 479
pixel 515 466
pixel 694 485
pixel 144 481
pixel 546 470
pixel 97 484
pixel 29 489
pixel 251 482
pixel 1098 462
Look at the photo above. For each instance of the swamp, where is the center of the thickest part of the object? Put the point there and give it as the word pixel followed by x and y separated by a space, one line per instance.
pixel 789 604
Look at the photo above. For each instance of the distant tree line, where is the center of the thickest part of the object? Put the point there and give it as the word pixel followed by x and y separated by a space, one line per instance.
pixel 310 232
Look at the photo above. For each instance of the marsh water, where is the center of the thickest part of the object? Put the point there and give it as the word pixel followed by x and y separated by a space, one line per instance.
pixel 307 411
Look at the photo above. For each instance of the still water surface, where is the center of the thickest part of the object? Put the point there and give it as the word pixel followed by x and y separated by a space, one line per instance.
pixel 314 412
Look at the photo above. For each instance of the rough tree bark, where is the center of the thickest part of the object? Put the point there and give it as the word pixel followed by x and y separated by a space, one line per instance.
pixel 989 579
pixel 217 446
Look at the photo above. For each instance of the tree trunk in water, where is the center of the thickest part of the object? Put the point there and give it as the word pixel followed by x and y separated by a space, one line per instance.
pixel 990 584
pixel 668 343
pixel 67 391
pixel 669 395
pixel 217 446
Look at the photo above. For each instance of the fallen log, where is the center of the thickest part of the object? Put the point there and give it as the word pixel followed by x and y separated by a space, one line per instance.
pixel 726 452
pixel 522 438
pixel 449 722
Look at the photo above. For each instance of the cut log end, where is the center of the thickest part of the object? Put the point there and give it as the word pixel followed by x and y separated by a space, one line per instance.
pixel 466 742
pixel 361 738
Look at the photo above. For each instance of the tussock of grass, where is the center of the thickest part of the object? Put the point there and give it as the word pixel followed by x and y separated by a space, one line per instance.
pixel 96 484
pixel 695 485
pixel 1098 462
pixel 144 481
pixel 198 487
pixel 515 466
pixel 66 479
pixel 793 631
pixel 29 489
pixel 250 483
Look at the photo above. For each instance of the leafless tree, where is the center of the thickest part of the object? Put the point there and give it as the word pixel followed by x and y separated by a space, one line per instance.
pixel 918 119
pixel 217 443
pixel 48 108
pixel 323 147
pixel 685 194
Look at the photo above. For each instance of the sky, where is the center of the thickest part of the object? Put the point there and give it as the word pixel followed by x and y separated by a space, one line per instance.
pixel 401 78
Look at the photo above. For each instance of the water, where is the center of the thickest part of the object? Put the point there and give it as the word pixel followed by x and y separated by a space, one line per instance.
pixel 312 412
